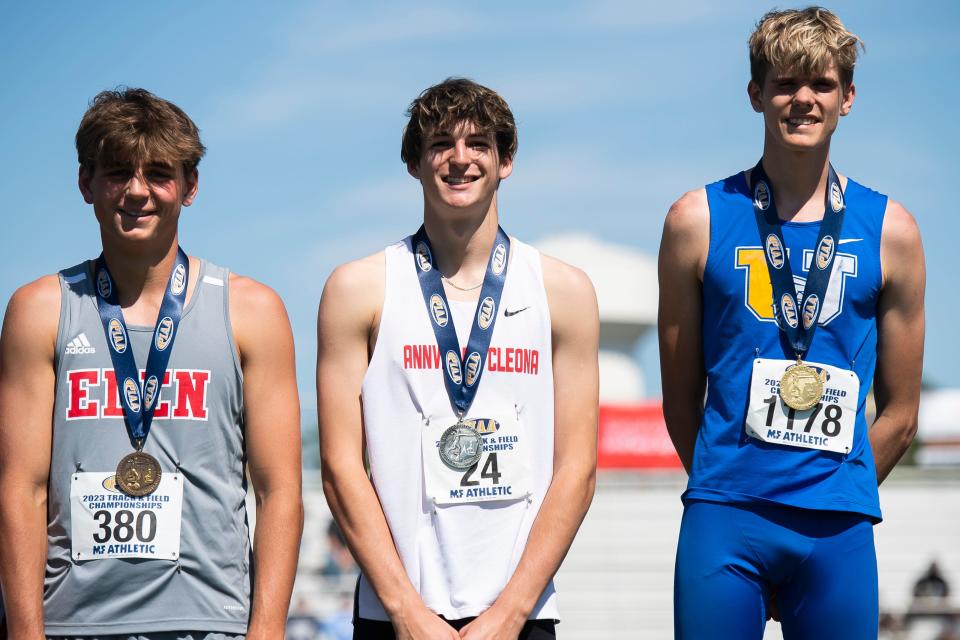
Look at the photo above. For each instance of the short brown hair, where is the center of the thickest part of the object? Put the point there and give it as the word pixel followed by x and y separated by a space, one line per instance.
pixel 805 41
pixel 452 102
pixel 129 124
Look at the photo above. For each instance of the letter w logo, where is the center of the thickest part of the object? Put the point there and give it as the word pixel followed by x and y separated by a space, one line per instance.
pixel 758 292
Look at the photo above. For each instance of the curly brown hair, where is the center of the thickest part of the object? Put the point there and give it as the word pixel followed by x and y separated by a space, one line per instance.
pixel 128 125
pixel 454 101
pixel 805 41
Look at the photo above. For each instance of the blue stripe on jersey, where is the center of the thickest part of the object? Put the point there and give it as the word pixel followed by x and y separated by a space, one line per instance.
pixel 738 325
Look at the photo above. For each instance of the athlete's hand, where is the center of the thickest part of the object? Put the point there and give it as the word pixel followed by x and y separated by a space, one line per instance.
pixel 419 623
pixel 494 624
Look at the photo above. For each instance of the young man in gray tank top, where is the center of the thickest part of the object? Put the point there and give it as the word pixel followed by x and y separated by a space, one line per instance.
pixel 459 144
pixel 85 560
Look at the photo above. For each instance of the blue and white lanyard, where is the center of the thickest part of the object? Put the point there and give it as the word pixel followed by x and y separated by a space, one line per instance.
pixel 796 313
pixel 139 401
pixel 462 377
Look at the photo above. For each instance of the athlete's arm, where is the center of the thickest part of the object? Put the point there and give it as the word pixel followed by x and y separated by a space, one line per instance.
pixel 349 313
pixel 575 336
pixel 683 254
pixel 900 327
pixel 271 412
pixel 27 391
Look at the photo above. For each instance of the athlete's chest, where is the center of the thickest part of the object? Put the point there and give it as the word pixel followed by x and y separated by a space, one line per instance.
pixel 518 348
pixel 737 280
pixel 196 380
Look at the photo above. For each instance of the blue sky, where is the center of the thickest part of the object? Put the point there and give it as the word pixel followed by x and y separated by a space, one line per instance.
pixel 621 107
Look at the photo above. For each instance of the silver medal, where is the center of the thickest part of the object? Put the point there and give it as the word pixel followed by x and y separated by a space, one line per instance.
pixel 461 446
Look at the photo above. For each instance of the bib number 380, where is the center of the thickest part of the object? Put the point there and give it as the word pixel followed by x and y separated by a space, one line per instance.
pixel 828 425
pixel 106 523
pixel 124 526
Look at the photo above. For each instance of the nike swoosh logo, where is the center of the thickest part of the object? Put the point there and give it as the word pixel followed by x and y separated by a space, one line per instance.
pixel 507 313
pixel 846 240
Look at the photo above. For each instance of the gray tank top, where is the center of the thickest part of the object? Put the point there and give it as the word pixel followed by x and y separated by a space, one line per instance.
pixel 197 432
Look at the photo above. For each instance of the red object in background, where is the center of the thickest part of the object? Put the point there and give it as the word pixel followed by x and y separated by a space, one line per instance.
pixel 635 437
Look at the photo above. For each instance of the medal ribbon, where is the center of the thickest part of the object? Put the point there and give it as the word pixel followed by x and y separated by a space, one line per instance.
pixel 139 400
pixel 797 314
pixel 462 378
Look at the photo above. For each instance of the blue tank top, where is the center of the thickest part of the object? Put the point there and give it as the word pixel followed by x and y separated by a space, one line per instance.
pixel 738 326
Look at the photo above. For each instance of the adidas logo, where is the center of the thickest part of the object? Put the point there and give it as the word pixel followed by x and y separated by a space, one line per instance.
pixel 79 346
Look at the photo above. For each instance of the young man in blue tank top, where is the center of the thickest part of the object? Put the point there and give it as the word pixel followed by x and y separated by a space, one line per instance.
pixel 425 554
pixel 785 292
pixel 183 488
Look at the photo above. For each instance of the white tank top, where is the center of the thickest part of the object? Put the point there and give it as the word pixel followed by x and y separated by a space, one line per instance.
pixel 459 557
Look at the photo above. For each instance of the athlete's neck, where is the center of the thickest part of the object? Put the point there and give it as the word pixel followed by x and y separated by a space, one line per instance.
pixel 138 274
pixel 798 180
pixel 462 247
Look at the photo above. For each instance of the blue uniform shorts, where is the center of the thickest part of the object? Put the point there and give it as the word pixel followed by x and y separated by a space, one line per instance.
pixel 731 558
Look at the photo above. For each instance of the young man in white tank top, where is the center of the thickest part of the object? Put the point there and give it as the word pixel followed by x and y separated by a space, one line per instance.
pixel 63 429
pixel 469 506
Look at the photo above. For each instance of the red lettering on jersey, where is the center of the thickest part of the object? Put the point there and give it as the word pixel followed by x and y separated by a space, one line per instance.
pixel 421 356
pixel 89 399
pixel 192 391
pixel 79 404
pixel 111 400
pixel 501 359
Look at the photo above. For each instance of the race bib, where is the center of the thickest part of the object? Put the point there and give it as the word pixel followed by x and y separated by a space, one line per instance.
pixel 106 523
pixel 828 425
pixel 501 472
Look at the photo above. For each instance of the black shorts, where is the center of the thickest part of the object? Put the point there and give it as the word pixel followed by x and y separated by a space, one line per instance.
pixel 379 630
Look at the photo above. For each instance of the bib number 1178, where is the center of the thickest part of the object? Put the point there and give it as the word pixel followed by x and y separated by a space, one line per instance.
pixel 830 425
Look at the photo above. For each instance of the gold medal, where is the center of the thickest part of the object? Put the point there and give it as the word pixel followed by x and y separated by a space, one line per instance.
pixel 138 474
pixel 801 387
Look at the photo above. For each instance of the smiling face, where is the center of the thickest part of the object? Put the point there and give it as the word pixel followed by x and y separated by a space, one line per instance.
pixel 460 170
pixel 801 111
pixel 138 202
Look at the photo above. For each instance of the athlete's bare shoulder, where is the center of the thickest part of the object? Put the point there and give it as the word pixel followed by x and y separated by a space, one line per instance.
pixel 900 244
pixel 570 293
pixel 690 207
pixel 248 297
pixel 354 292
pixel 686 232
pixel 899 225
pixel 255 309
pixel 562 279
pixel 689 217
pixel 32 317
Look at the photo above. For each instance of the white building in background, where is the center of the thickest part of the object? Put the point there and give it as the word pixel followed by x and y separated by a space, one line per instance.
pixel 939 428
pixel 626 284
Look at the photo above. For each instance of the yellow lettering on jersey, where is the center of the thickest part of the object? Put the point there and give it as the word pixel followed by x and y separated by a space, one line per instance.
pixel 759 291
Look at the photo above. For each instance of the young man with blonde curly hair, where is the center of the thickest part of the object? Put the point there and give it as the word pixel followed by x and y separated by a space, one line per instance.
pixel 786 290
pixel 464 364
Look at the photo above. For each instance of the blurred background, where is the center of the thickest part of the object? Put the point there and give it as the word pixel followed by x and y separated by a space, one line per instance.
pixel 621 107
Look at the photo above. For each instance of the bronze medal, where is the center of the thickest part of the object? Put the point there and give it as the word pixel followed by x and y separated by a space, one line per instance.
pixel 801 387
pixel 138 474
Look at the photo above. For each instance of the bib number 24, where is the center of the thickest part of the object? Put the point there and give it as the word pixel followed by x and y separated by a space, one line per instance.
pixel 490 471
